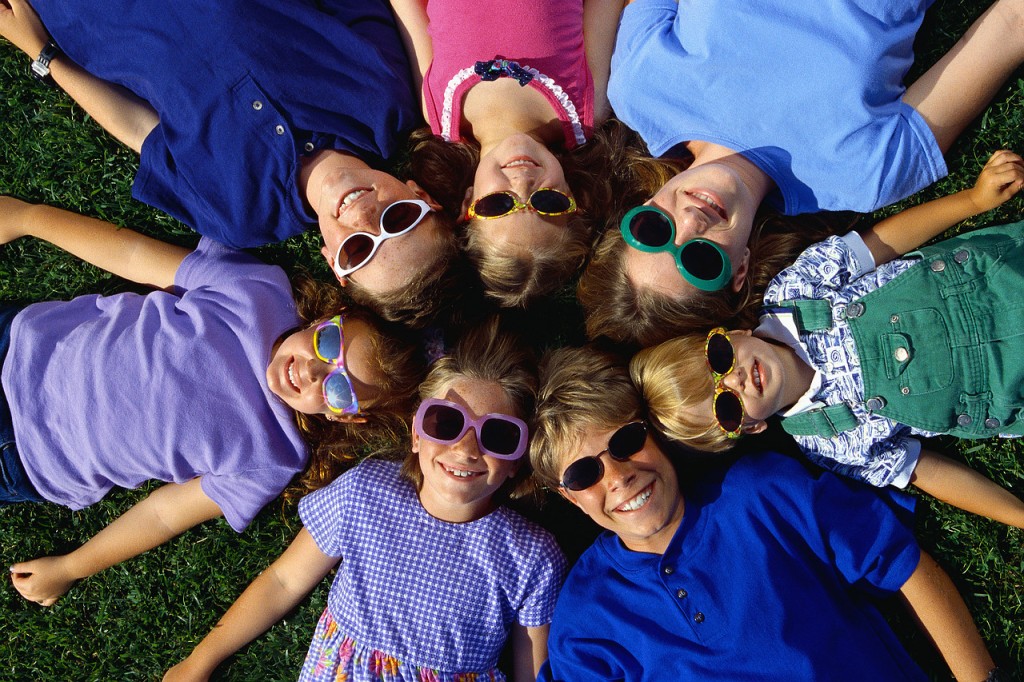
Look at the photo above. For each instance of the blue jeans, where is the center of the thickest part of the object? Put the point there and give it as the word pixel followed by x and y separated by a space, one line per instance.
pixel 14 483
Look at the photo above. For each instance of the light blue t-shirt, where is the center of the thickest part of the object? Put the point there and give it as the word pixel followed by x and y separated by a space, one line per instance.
pixel 810 92
pixel 117 390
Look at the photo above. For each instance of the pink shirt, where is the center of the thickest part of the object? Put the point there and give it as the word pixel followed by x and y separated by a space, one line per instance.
pixel 544 37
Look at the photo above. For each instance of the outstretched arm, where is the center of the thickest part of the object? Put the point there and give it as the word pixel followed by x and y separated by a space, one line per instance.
pixel 165 514
pixel 123 252
pixel 529 651
pixel 963 487
pixel 120 112
pixel 411 16
pixel 1000 179
pixel 271 595
pixel 942 614
pixel 600 23
pixel 958 88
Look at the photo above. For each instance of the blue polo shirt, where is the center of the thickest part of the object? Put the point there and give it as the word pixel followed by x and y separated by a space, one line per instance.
pixel 768 578
pixel 810 92
pixel 243 89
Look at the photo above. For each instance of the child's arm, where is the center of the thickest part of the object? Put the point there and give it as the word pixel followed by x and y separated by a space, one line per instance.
pixel 122 251
pixel 1000 179
pixel 411 16
pixel 600 22
pixel 529 651
pixel 165 514
pixel 121 113
pixel 271 595
pixel 963 487
pixel 942 614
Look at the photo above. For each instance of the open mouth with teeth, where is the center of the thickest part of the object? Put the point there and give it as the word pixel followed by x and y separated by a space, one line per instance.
pixel 711 202
pixel 638 501
pixel 350 197
pixel 521 162
pixel 756 377
pixel 461 473
pixel 291 376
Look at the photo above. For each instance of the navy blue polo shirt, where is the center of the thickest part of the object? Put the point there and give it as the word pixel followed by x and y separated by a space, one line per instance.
pixel 767 578
pixel 243 89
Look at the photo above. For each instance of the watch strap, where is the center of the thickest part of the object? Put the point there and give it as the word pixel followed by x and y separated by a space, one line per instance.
pixel 41 65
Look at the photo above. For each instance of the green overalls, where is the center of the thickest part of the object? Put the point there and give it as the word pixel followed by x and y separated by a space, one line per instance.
pixel 941 346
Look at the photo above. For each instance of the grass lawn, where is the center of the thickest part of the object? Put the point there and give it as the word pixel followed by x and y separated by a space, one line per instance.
pixel 133 621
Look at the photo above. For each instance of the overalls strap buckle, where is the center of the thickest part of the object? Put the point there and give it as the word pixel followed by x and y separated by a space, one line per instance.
pixel 823 422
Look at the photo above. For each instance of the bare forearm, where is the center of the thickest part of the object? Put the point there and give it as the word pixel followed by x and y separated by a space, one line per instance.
pixel 959 485
pixel 913 227
pixel 942 614
pixel 122 251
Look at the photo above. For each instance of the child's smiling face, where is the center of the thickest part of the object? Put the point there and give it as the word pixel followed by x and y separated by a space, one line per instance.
pixel 459 481
pixel 295 373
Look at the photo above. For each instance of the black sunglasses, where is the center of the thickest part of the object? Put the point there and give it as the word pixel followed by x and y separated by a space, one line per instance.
pixel 546 201
pixel 623 444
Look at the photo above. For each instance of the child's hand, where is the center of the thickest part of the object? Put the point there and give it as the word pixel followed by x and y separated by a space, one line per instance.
pixel 12 217
pixel 42 580
pixel 20 24
pixel 999 180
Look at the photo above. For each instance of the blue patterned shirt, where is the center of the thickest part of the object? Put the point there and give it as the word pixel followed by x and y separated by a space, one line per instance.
pixel 878 451
pixel 431 593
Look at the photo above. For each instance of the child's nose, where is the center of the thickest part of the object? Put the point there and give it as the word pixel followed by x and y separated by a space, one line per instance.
pixel 616 473
pixel 467 445
pixel 734 379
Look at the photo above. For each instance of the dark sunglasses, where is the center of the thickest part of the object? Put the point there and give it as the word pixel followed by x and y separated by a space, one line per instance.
pixel 546 201
pixel 329 346
pixel 727 405
pixel 498 435
pixel 702 263
pixel 357 249
pixel 623 444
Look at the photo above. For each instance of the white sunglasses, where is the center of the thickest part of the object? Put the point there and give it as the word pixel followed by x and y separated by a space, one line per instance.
pixel 357 249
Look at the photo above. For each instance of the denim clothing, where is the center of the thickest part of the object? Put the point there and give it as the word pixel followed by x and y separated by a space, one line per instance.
pixel 14 483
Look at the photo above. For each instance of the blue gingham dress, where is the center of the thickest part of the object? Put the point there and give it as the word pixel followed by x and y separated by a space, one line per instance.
pixel 416 598
pixel 879 450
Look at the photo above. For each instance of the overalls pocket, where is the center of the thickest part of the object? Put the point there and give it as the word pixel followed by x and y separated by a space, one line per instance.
pixel 917 354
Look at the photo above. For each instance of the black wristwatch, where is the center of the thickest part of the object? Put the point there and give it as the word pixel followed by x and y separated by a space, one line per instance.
pixel 41 65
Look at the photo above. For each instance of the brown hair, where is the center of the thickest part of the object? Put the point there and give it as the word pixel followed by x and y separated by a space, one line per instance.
pixel 486 353
pixel 676 384
pixel 615 308
pixel 514 277
pixel 580 388
pixel 335 446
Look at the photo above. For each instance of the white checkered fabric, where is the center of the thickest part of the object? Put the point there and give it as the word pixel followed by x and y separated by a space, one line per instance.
pixel 437 597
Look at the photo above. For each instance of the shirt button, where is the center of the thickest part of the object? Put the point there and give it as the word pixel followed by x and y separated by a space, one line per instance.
pixel 279 129
pixel 992 423
pixel 681 594
pixel 257 105
pixel 698 617
pixel 901 354
pixel 905 390
pixel 668 570
pixel 961 256
pixel 309 147
pixel 964 420
pixel 875 403
pixel 938 265
pixel 855 310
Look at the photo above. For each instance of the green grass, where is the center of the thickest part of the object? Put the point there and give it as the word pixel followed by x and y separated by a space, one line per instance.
pixel 133 621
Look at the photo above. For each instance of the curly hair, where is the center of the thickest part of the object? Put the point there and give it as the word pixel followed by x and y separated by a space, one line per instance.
pixel 399 366
pixel 486 353
pixel 637 317
pixel 580 388
pixel 676 384
pixel 511 276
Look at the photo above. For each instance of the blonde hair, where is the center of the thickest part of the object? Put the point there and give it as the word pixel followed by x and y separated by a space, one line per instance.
pixel 676 383
pixel 580 388
pixel 398 368
pixel 486 353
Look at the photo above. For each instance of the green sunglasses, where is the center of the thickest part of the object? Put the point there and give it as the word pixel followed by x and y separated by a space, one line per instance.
pixel 701 262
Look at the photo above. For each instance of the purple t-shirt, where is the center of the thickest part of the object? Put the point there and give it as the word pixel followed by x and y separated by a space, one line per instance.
pixel 430 593
pixel 117 390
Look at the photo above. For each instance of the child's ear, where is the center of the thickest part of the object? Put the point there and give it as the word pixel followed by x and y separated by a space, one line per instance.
pixel 567 495
pixel 415 441
pixel 739 275
pixel 467 201
pixel 756 427
pixel 329 257
pixel 423 194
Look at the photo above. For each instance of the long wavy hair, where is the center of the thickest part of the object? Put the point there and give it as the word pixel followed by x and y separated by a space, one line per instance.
pixel 511 277
pixel 336 446
pixel 638 317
